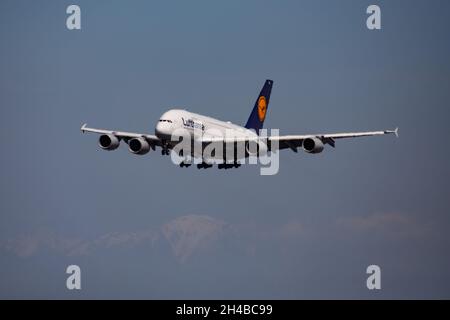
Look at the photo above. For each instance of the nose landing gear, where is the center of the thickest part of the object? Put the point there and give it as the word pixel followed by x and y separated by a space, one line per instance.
pixel 165 149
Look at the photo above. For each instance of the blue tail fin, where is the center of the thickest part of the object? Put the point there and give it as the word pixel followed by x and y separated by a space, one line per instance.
pixel 256 119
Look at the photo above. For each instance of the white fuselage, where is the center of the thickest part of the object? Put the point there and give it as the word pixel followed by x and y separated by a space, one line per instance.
pixel 198 126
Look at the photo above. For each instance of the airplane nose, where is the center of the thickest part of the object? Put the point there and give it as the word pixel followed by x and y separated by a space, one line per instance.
pixel 163 130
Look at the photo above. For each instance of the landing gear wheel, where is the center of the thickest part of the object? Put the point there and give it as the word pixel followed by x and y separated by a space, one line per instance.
pixel 229 165
pixel 204 165
pixel 165 148
pixel 184 164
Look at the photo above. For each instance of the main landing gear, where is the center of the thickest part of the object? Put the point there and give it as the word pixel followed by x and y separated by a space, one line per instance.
pixel 204 165
pixel 184 164
pixel 229 165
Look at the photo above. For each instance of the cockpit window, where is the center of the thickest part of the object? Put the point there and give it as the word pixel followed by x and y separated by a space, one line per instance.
pixel 165 120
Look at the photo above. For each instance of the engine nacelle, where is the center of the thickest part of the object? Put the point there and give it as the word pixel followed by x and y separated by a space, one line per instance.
pixel 313 145
pixel 138 146
pixel 256 148
pixel 108 142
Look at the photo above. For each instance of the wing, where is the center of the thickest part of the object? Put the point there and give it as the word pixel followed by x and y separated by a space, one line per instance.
pixel 295 141
pixel 151 139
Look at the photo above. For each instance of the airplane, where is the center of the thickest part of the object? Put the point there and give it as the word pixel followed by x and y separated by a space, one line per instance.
pixel 205 131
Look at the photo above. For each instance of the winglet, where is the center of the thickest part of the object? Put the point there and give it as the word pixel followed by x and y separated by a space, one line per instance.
pixel 83 127
pixel 396 132
pixel 393 131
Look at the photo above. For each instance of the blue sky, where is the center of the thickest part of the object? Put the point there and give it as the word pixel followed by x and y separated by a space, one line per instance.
pixel 139 227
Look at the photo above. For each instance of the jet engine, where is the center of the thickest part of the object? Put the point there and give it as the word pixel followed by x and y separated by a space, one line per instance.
pixel 313 145
pixel 138 146
pixel 108 142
